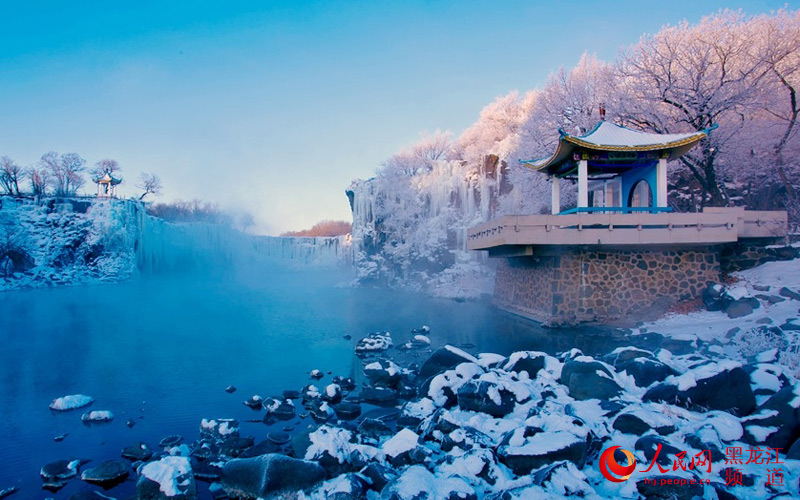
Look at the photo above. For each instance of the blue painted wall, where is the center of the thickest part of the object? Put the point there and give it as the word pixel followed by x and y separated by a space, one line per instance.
pixel 632 176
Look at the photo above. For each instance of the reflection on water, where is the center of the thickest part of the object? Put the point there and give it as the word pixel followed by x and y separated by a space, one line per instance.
pixel 160 352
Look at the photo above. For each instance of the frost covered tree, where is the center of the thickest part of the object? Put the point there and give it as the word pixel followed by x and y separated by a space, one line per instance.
pixel 105 165
pixel 66 172
pixel 419 157
pixel 39 179
pixel 150 184
pixel 693 77
pixel 10 174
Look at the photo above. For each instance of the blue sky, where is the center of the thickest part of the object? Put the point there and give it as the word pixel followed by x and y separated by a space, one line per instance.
pixel 274 107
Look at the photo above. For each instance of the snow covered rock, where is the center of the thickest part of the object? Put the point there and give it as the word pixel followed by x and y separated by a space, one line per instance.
pixel 442 388
pixel 56 474
pixel 97 416
pixel 348 486
pixel 649 445
pixel 742 307
pixel 646 371
pixel 486 396
pixel 563 479
pixel 71 402
pixel 332 393
pixel 528 361
pixel 373 343
pixel 639 421
pixel 280 409
pixel 382 373
pixel 714 297
pixel 528 448
pixel 403 449
pixel 589 379
pixel 776 423
pixel 261 476
pixel 108 472
pixel 378 475
pixel 168 478
pixel 716 386
pixel 444 358
pixel 371 431
pixel 338 451
pixel 137 452
pixel 417 483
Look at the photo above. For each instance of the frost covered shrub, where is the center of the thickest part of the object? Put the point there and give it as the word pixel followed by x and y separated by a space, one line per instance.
pixel 762 338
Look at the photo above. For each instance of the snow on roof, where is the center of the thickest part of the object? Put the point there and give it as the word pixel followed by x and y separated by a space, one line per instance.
pixel 606 136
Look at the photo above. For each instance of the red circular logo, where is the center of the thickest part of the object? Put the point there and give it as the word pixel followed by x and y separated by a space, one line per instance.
pixel 609 465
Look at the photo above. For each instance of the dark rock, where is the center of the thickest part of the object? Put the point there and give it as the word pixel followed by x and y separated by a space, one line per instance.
pixel 729 390
pixel 267 474
pixel 255 402
pixel 714 297
pixel 110 471
pixel 528 361
pixel 678 346
pixel 382 373
pixel 347 411
pixel 230 389
pixel 279 437
pixel 378 475
pixel 291 394
pixel 475 395
pixel 316 374
pixel 742 307
pixel 443 358
pixel 794 451
pixel 346 383
pixel 630 423
pixel 130 423
pixel 379 395
pixel 282 410
pixel 669 487
pixel 207 471
pixel 347 337
pixel 8 492
pixel 583 381
pixel 262 448
pixel 789 294
pixel 332 393
pixel 646 371
pixel 233 446
pixel 372 430
pixel 778 412
pixel 137 452
pixel 60 438
pixel 170 441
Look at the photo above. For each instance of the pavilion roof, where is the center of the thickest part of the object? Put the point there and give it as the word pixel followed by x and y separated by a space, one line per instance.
pixel 607 136
pixel 107 178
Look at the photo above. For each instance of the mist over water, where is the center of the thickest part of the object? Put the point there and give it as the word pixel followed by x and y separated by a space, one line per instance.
pixel 160 350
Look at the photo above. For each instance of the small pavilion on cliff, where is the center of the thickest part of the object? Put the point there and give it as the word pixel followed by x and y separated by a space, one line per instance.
pixel 621 252
pixel 107 185
pixel 617 169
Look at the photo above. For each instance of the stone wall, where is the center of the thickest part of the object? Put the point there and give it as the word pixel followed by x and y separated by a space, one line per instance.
pixel 591 285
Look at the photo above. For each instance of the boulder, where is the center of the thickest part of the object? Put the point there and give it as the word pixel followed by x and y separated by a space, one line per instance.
pixel 742 307
pixel 417 483
pixel 260 476
pixel 108 472
pixel 776 423
pixel 649 445
pixel 485 396
pixel 714 297
pixel 588 379
pixel 645 371
pixel 137 452
pixel 670 487
pixel 526 449
pixel 168 478
pixel 444 358
pixel 382 373
pixel 713 386
pixel 71 402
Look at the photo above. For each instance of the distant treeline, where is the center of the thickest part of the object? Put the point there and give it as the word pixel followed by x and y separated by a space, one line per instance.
pixel 324 228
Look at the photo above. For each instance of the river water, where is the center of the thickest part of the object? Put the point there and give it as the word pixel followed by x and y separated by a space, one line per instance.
pixel 161 350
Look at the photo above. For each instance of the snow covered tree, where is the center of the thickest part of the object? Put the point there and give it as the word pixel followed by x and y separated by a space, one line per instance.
pixel 150 183
pixel 419 157
pixel 691 78
pixel 40 179
pixel 105 165
pixel 66 172
pixel 10 174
